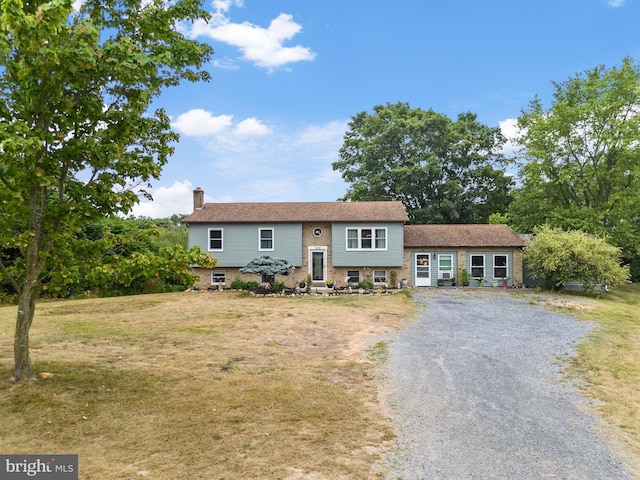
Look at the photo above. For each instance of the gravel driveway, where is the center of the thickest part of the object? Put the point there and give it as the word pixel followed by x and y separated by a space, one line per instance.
pixel 475 391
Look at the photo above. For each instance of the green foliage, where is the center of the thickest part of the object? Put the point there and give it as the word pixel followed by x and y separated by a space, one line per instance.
pixel 268 267
pixel 238 284
pixel 77 138
pixel 560 257
pixel 443 171
pixel 120 257
pixel 278 287
pixel 581 169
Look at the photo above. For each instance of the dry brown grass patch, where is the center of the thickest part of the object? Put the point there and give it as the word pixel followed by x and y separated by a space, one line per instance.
pixel 208 385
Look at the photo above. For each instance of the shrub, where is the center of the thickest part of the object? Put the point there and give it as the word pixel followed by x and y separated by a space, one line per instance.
pixel 560 257
pixel 238 284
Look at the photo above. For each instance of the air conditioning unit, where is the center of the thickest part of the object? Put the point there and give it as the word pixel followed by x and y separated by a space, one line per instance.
pixel 446 276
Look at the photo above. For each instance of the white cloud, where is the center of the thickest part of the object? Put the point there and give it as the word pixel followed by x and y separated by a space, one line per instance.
pixel 200 123
pixel 288 164
pixel 510 130
pixel 262 46
pixel 175 199
pixel 251 127
pixel 616 3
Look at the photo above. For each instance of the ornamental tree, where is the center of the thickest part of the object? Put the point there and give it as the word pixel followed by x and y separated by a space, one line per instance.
pixel 268 267
pixel 77 138
pixel 559 257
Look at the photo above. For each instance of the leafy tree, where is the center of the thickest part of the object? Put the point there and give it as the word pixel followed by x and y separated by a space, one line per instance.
pixel 76 133
pixel 123 257
pixel 267 266
pixel 560 257
pixel 582 158
pixel 443 171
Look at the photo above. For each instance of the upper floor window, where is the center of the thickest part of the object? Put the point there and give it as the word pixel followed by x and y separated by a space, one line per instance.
pixel 266 239
pixel 366 238
pixel 215 239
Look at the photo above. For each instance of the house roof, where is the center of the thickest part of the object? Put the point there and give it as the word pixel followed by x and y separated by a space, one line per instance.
pixel 461 236
pixel 282 212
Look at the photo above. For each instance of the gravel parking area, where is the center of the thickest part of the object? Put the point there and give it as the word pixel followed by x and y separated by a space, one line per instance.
pixel 475 390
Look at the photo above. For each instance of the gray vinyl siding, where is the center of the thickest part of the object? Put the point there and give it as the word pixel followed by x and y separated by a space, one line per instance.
pixel 391 257
pixel 488 264
pixel 241 244
pixel 433 266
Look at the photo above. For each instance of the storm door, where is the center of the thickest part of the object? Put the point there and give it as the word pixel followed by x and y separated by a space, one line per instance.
pixel 318 264
pixel 422 270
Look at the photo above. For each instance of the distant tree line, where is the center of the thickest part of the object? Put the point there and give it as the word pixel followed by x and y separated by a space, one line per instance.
pixel 577 168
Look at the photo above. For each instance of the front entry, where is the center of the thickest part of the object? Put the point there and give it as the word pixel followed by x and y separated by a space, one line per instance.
pixel 422 270
pixel 318 263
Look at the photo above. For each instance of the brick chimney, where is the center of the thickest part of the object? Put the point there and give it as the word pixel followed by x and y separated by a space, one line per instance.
pixel 198 199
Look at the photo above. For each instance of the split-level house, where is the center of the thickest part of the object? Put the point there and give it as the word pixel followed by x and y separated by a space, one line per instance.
pixel 347 242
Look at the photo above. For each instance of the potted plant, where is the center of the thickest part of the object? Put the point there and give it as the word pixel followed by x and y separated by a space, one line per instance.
pixel 329 283
pixel 505 282
pixel 464 277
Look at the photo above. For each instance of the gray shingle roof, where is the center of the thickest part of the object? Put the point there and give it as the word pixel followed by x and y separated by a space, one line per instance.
pixel 282 212
pixel 461 236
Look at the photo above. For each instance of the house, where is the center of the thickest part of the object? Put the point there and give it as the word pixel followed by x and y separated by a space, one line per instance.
pixel 347 243
pixel 492 253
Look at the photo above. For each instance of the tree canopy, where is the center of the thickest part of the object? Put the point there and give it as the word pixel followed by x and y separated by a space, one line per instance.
pixel 443 171
pixel 581 157
pixel 76 134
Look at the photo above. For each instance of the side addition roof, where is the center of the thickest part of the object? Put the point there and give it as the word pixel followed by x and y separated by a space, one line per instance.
pixel 461 236
pixel 286 212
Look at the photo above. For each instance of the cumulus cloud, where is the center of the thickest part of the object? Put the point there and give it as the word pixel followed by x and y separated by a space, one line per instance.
pixel 200 123
pixel 262 46
pixel 510 130
pixel 174 199
pixel 251 127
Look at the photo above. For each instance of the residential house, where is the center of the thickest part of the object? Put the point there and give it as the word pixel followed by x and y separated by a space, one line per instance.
pixel 492 253
pixel 348 242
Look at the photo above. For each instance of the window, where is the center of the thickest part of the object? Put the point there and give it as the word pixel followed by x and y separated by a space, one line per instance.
pixel 266 239
pixel 366 238
pixel 500 267
pixel 353 276
pixel 379 276
pixel 215 239
pixel 218 277
pixel 445 267
pixel 477 266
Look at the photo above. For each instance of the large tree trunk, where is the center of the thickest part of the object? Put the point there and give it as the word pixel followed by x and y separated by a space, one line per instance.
pixel 26 311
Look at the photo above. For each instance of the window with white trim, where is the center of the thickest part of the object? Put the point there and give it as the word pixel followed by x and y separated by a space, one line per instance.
pixel 477 266
pixel 353 276
pixel 445 267
pixel 215 239
pixel 500 266
pixel 266 239
pixel 218 277
pixel 366 238
pixel 379 276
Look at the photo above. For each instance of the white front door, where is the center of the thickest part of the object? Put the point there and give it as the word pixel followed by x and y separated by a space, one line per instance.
pixel 422 270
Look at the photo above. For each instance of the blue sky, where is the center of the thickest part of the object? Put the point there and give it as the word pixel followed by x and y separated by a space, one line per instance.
pixel 288 75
